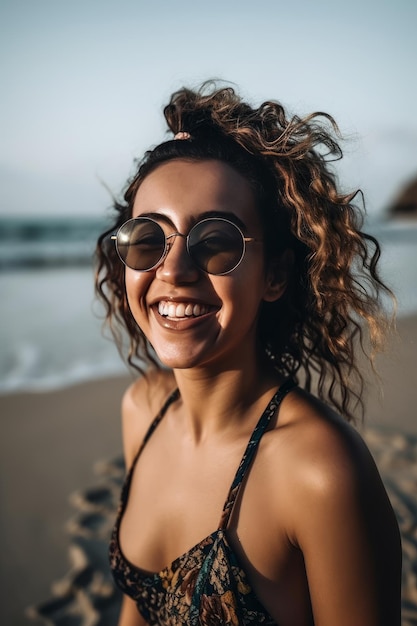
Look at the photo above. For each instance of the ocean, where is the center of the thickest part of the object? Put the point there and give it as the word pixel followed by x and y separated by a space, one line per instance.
pixel 51 325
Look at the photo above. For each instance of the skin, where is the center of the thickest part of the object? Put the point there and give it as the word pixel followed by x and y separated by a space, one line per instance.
pixel 313 527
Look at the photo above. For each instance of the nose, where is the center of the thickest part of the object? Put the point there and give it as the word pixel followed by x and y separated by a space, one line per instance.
pixel 177 267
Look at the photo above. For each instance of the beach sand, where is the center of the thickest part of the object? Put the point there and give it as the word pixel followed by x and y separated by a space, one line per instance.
pixel 60 480
pixel 49 443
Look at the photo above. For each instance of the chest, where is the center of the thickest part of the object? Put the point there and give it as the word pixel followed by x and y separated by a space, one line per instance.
pixel 174 508
pixel 176 498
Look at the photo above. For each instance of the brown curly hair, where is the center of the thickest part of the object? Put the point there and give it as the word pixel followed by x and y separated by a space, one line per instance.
pixel 333 300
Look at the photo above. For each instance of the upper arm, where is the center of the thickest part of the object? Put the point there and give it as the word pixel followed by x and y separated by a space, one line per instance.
pixel 347 532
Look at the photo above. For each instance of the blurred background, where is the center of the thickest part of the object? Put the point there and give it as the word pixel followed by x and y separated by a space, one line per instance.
pixel 83 86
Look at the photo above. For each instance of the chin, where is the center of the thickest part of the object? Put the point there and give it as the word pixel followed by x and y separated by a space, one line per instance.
pixel 178 361
pixel 184 360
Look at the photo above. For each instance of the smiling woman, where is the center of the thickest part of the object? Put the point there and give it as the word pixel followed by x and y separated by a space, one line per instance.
pixel 206 270
pixel 236 264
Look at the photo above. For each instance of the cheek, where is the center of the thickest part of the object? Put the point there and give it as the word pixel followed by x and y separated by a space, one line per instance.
pixel 137 285
pixel 246 292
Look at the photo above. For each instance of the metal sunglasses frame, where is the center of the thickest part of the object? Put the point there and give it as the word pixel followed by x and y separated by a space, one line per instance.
pixel 168 245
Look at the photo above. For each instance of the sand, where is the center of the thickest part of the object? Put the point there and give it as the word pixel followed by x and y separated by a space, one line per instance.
pixel 48 446
pixel 60 479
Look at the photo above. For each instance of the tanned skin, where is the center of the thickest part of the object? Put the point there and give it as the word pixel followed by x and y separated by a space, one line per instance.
pixel 313 527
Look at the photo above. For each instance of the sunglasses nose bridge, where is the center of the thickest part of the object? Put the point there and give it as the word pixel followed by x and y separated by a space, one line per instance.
pixel 169 243
pixel 176 264
pixel 175 234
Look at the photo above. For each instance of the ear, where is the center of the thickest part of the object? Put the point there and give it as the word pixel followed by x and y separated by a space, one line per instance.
pixel 278 274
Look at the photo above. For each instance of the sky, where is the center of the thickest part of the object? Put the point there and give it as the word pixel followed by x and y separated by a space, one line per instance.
pixel 84 83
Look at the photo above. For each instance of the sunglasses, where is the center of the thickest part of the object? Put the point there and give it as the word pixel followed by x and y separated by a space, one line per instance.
pixel 215 245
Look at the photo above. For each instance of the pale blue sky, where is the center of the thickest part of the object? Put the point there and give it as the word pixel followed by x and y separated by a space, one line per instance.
pixel 84 81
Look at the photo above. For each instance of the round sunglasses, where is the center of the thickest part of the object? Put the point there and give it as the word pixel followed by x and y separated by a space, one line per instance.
pixel 215 245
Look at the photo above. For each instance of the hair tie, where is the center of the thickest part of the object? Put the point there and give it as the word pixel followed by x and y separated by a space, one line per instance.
pixel 182 135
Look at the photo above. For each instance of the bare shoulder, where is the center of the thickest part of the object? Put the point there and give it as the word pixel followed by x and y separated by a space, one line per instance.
pixel 336 511
pixel 329 466
pixel 325 448
pixel 141 402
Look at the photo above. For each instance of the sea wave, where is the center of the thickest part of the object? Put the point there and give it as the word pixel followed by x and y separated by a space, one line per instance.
pixel 48 242
pixel 29 373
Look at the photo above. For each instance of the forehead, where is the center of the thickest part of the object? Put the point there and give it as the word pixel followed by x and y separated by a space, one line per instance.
pixel 181 188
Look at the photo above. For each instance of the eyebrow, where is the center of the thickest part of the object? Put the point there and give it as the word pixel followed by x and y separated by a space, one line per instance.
pixel 228 215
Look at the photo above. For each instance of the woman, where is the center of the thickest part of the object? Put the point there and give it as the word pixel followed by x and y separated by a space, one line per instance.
pixel 237 264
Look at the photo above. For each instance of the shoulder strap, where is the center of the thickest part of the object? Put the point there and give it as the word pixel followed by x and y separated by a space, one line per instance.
pixel 252 447
pixel 173 396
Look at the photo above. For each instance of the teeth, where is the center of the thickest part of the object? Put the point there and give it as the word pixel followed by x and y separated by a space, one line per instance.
pixel 181 309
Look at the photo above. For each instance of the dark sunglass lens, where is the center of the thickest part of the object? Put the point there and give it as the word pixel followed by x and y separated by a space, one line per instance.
pixel 141 243
pixel 216 246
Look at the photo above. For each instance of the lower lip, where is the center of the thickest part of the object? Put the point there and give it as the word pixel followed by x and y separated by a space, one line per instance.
pixel 181 324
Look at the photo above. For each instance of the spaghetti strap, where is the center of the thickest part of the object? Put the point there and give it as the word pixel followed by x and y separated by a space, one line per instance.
pixel 173 396
pixel 251 448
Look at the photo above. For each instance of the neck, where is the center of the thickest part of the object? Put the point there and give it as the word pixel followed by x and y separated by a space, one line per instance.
pixel 225 402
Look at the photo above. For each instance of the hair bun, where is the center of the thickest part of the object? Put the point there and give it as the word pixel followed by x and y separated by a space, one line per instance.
pixel 192 112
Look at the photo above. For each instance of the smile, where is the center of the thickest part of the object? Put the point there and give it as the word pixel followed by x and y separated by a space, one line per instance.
pixel 181 310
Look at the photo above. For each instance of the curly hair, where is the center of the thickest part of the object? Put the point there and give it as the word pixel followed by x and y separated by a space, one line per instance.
pixel 332 303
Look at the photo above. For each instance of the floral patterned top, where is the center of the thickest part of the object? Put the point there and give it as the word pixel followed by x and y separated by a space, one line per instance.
pixel 205 586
